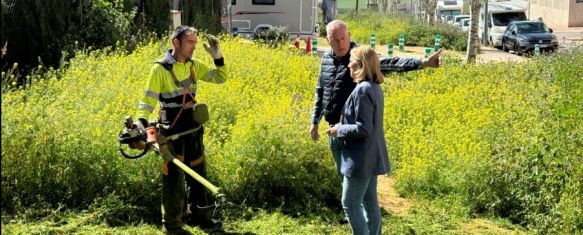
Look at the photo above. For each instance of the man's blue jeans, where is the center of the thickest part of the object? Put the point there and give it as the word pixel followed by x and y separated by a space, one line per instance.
pixel 336 147
pixel 360 203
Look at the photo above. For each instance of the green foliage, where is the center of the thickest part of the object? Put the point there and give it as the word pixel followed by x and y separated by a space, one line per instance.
pixel 421 34
pixel 388 27
pixel 500 139
pixel 203 15
pixel 70 126
pixel 59 139
pixel 275 36
pixel 49 32
pixel 504 137
pixel 425 217
pixel 266 158
pixel 322 29
pixel 151 16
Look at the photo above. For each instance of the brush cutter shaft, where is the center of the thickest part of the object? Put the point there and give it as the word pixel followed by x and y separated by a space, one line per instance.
pixel 196 176
pixel 169 157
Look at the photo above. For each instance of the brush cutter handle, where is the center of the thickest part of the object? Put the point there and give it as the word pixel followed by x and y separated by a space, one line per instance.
pixel 126 155
pixel 136 139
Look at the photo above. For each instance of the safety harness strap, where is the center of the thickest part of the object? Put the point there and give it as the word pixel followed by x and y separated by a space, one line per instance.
pixel 185 91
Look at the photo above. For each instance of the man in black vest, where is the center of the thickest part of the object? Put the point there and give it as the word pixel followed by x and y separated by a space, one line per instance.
pixel 335 84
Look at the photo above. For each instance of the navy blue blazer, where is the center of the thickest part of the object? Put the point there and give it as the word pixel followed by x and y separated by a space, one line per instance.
pixel 364 149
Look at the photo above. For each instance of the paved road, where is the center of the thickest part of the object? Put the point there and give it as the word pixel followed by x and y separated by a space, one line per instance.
pixel 569 37
pixel 487 54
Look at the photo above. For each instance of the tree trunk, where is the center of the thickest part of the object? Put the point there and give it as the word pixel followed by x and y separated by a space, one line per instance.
pixel 473 43
pixel 383 5
pixel 395 6
pixel 357 7
pixel 427 10
pixel 420 9
pixel 430 11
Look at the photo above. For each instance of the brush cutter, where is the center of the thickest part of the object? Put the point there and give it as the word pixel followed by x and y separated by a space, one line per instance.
pixel 145 140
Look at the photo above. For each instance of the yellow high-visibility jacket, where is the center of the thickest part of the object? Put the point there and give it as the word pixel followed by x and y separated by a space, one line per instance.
pixel 162 88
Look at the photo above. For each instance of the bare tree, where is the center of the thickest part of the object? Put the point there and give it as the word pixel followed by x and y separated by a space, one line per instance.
pixel 427 10
pixel 395 5
pixel 420 9
pixel 431 5
pixel 473 41
pixel 383 5
pixel 373 5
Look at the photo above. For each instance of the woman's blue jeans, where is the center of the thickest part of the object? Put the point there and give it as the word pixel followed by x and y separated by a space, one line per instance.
pixel 360 203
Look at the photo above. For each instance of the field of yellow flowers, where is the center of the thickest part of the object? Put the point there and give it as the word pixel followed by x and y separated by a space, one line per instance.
pixel 497 139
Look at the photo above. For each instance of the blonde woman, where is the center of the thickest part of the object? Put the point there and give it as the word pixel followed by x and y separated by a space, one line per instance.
pixel 364 153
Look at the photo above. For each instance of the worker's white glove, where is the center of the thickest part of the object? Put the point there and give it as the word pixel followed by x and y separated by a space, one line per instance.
pixel 213 49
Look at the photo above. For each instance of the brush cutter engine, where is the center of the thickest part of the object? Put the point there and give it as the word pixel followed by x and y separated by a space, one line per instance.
pixel 136 139
pixel 135 142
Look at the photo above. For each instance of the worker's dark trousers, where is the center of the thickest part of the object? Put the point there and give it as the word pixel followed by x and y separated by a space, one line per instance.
pixel 190 150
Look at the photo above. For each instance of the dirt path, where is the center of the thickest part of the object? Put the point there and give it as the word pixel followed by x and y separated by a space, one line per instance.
pixel 389 199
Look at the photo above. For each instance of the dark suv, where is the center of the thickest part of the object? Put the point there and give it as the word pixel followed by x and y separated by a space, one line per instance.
pixel 522 36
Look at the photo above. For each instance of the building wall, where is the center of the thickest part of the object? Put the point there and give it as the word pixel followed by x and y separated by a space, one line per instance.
pixel 576 13
pixel 554 12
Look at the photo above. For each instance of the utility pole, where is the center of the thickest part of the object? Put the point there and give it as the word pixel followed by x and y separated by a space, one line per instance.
pixel 176 14
pixel 486 37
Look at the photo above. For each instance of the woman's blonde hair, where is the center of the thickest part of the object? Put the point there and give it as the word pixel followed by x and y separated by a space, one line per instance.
pixel 369 68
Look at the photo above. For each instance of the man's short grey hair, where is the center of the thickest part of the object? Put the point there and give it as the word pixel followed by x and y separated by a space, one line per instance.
pixel 335 24
pixel 181 30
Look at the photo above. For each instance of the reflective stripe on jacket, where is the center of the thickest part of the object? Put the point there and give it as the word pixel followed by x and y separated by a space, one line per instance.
pixel 162 88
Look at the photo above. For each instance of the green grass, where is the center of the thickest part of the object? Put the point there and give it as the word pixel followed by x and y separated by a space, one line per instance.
pixel 500 140
pixel 423 218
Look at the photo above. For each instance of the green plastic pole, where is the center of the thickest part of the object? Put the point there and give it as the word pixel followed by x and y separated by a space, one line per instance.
pixel 373 40
pixel 437 42
pixel 402 42
pixel 315 45
pixel 427 51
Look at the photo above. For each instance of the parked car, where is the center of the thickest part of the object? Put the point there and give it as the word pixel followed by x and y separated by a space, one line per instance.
pixel 522 36
pixel 456 19
pixel 465 24
pixel 497 18
pixel 448 19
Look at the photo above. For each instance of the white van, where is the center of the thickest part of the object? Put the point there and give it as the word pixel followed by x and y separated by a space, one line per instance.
pixel 465 24
pixel 446 8
pixel 499 15
pixel 249 16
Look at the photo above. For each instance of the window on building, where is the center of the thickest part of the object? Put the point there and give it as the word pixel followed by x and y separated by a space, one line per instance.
pixel 263 2
pixel 579 1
